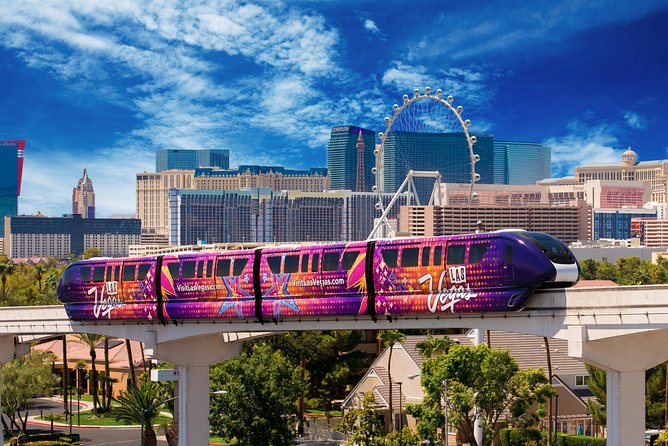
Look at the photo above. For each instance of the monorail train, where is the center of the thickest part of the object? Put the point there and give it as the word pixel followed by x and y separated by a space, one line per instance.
pixel 494 271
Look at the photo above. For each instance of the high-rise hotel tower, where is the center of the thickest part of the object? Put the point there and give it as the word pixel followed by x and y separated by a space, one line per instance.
pixel 11 171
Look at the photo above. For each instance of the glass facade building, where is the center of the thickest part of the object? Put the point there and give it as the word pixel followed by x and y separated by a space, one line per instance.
pixel 191 159
pixel 261 215
pixel 517 162
pixel 342 157
pixel 11 170
pixel 447 153
pixel 616 223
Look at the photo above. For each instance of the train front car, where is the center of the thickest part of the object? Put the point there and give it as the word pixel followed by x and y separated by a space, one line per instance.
pixel 563 270
pixel 109 289
pixel 484 272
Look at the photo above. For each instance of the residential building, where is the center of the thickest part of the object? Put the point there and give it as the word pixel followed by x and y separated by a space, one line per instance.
pixel 271 177
pixel 518 162
pixel 343 160
pixel 153 201
pixel 190 159
pixel 39 236
pixel 11 172
pixel 569 377
pixel 568 223
pixel 654 173
pixel 83 197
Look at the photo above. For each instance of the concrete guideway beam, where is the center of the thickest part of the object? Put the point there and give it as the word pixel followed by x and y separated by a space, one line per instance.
pixel 193 357
pixel 625 359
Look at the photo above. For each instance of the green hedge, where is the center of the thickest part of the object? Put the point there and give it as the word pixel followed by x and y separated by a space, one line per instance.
pixel 46 439
pixel 516 437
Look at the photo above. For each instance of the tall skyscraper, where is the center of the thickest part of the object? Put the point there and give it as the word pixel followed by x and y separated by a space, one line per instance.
pixel 342 156
pixel 517 162
pixel 448 153
pixel 11 172
pixel 191 159
pixel 359 146
pixel 83 197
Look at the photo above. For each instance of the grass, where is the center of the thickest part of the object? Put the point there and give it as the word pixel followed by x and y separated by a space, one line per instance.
pixel 332 413
pixel 88 419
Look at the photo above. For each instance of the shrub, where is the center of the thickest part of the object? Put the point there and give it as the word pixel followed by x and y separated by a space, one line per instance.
pixel 516 437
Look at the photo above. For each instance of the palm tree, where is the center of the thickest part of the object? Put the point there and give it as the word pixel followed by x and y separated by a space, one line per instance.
pixel 91 340
pixel 6 269
pixel 39 274
pixel 549 403
pixel 131 363
pixel 389 338
pixel 137 405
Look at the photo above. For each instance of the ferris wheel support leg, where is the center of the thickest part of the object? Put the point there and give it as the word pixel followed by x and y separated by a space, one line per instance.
pixel 383 217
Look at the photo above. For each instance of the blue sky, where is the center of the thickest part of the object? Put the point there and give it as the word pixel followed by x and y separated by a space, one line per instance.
pixel 102 84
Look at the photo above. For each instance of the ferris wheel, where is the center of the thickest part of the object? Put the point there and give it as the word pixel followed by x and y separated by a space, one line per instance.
pixel 422 123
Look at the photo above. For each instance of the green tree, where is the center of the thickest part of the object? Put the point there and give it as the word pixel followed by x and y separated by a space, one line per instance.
pixel 596 381
pixel 362 425
pixel 655 396
pixel 388 338
pixel 134 402
pixel 433 346
pixel 588 269
pixel 606 271
pixel 7 268
pixel 90 253
pixel 22 379
pixel 404 438
pixel 486 384
pixel 259 406
pixel 91 340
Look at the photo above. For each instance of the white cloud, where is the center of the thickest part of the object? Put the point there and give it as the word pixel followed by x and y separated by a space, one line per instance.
pixel 370 25
pixel 584 145
pixel 634 120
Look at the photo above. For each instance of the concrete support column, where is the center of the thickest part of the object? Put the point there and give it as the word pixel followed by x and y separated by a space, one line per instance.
pixel 193 405
pixel 625 407
pixel 479 338
pixel 193 356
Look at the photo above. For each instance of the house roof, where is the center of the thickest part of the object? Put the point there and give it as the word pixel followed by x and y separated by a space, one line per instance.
pixel 77 350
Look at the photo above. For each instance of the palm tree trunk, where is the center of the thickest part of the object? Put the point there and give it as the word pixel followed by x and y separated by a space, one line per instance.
pixel 549 402
pixel 128 349
pixel 107 385
pixel 4 282
pixel 93 372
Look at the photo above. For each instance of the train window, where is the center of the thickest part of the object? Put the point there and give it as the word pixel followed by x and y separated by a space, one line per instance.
pixel 438 255
pixel 456 254
pixel 108 277
pixel 173 269
pixel 223 267
pixel 239 265
pixel 477 251
pixel 200 269
pixel 390 257
pixel 85 273
pixel 348 260
pixel 117 272
pixel 330 261
pixel 304 263
pixel 553 248
pixel 188 269
pixel 291 264
pixel 508 253
pixel 98 274
pixel 409 257
pixel 209 268
pixel 274 264
pixel 314 262
pixel 425 255
pixel 143 271
pixel 129 273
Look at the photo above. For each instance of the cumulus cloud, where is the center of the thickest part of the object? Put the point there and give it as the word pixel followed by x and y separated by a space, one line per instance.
pixel 584 145
pixel 370 25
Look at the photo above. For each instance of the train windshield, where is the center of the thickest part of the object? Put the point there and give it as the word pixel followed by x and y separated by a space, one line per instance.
pixel 552 247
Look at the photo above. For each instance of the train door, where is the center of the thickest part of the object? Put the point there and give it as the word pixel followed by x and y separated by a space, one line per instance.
pixel 456 271
pixel 342 271
pixel 234 284
pixel 133 281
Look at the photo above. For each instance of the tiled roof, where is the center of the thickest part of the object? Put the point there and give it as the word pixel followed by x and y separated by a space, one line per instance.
pixel 594 283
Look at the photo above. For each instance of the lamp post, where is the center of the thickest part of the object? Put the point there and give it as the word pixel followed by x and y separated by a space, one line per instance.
pixel 401 419
pixel 446 434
